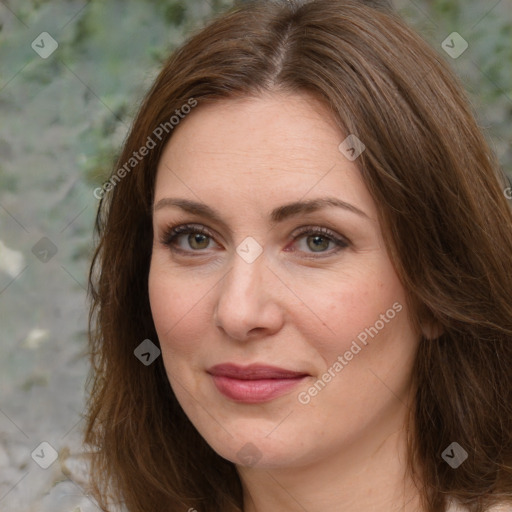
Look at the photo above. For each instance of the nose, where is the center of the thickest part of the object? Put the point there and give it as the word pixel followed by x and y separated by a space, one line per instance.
pixel 247 305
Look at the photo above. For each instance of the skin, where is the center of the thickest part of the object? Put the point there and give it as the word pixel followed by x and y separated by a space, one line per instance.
pixel 345 448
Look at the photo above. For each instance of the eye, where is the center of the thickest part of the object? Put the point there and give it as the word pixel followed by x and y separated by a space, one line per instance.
pixel 310 239
pixel 198 238
pixel 317 240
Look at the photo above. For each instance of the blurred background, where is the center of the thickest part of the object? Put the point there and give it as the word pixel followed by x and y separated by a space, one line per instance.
pixel 72 74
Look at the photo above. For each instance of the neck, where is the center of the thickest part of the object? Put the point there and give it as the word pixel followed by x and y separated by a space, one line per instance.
pixel 357 480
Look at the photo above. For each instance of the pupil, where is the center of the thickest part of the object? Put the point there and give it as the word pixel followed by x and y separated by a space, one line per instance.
pixel 196 239
pixel 317 241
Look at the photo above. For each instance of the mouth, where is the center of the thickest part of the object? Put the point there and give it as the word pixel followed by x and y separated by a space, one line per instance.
pixel 255 383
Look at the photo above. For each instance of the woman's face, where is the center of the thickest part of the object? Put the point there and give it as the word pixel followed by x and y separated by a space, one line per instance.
pixel 292 294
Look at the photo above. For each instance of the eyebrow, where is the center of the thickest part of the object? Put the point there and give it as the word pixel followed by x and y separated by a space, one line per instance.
pixel 278 214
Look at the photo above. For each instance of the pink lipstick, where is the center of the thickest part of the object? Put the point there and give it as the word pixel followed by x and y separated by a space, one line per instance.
pixel 254 383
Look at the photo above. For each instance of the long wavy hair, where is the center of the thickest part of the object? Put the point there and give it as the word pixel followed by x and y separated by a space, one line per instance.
pixel 439 192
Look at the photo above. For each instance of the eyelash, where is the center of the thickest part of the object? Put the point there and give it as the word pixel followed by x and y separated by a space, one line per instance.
pixel 170 235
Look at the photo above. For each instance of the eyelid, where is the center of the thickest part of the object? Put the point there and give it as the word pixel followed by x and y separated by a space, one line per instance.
pixel 323 231
pixel 169 234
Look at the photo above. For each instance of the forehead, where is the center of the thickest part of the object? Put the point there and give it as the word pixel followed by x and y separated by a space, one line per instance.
pixel 275 126
pixel 260 148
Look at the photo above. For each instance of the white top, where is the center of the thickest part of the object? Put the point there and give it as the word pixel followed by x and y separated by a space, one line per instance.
pixel 456 507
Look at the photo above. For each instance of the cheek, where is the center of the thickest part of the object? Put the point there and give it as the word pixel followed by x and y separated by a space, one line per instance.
pixel 176 303
pixel 345 307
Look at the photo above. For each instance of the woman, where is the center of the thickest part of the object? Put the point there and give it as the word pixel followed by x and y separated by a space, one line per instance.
pixel 301 293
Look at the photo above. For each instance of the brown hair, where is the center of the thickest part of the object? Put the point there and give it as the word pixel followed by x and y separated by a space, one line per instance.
pixel 440 197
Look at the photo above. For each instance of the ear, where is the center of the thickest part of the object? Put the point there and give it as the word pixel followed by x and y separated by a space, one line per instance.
pixel 429 326
pixel 431 329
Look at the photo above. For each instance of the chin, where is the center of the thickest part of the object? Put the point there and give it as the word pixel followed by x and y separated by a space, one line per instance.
pixel 261 452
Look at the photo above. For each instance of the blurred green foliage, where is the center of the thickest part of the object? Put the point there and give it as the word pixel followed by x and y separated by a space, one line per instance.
pixel 485 68
pixel 110 51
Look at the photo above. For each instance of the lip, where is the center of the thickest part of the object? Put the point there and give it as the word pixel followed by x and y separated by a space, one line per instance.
pixel 254 383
